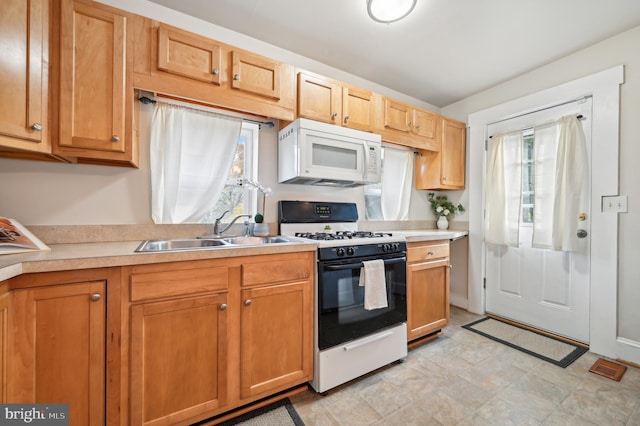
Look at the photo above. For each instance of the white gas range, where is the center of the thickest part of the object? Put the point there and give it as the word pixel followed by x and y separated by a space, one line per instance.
pixel 350 340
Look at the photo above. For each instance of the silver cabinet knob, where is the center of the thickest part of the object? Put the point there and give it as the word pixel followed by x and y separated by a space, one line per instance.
pixel 95 297
pixel 582 233
pixel 37 127
pixel 236 76
pixel 346 118
pixel 334 115
pixel 216 71
pixel 247 302
pixel 409 124
pixel 115 138
pixel 450 266
pixel 418 127
pixel 223 306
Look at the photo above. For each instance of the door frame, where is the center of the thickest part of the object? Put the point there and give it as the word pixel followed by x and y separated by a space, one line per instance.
pixel 604 87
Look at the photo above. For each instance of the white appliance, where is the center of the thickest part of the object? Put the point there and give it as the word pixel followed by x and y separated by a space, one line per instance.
pixel 311 152
pixel 349 341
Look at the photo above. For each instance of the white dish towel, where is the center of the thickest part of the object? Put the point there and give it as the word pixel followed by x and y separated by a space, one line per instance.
pixel 375 286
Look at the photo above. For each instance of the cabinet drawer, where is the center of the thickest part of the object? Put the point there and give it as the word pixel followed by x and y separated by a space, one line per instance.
pixel 421 253
pixel 277 270
pixel 154 285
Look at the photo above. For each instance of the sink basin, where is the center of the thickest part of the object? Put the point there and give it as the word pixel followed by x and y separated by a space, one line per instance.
pixel 185 244
pixel 250 241
pixel 179 244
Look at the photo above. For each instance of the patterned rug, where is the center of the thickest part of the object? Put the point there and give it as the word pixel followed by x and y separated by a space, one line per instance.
pixel 280 413
pixel 548 348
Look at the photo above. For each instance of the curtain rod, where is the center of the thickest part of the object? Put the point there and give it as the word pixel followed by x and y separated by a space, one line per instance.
pixel 146 100
pixel 580 99
pixel 579 117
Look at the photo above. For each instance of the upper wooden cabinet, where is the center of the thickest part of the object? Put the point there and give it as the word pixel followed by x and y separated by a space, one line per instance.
pixel 444 169
pixel 323 99
pixel 189 55
pixel 24 43
pixel 255 74
pixel 96 96
pixel 178 63
pixel 404 124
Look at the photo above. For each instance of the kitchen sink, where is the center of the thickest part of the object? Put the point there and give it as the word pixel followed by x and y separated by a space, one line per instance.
pixel 186 244
pixel 250 241
pixel 179 244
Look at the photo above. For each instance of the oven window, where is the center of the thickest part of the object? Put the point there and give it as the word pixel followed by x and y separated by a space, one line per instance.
pixel 342 316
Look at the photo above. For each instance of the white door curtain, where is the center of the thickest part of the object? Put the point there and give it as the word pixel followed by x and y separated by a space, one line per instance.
pixel 560 184
pixel 191 154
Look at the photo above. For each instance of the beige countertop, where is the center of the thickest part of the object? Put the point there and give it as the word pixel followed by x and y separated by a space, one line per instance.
pixel 83 255
pixel 414 235
pixel 64 257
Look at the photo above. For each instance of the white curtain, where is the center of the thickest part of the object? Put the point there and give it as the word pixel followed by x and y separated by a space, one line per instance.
pixel 397 182
pixel 503 190
pixel 191 154
pixel 561 184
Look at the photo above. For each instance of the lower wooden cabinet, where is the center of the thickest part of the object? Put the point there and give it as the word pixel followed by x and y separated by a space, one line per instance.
pixel 178 359
pixel 209 336
pixel 58 348
pixel 427 287
pixel 275 338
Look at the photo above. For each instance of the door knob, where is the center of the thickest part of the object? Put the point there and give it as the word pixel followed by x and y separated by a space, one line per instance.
pixel 582 233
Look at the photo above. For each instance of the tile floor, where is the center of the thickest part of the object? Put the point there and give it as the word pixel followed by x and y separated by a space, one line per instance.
pixel 463 378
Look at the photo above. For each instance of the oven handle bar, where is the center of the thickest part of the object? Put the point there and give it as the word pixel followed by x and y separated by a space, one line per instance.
pixel 363 342
pixel 360 264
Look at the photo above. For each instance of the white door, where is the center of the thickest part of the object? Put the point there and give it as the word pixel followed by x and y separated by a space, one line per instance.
pixel 546 289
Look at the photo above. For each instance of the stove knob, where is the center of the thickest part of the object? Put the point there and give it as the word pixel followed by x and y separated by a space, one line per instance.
pixel 351 251
pixel 386 247
pixel 340 252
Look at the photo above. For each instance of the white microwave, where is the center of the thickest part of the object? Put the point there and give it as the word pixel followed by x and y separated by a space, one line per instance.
pixel 316 153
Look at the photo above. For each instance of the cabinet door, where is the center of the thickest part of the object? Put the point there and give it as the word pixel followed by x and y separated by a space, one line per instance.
pixel 424 123
pixel 276 338
pixel 319 99
pixel 397 116
pixel 428 297
pixel 93 101
pixel 188 55
pixel 255 74
pixel 453 153
pixel 357 108
pixel 59 340
pixel 178 359
pixel 24 46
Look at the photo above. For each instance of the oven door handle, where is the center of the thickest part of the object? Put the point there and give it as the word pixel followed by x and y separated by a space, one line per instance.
pixel 360 264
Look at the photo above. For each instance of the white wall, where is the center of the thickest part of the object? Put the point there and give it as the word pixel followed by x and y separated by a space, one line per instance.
pixel 621 49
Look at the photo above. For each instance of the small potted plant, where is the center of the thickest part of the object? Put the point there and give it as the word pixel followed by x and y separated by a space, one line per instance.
pixel 443 208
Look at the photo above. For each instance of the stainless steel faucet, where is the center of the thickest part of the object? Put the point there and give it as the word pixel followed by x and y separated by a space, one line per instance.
pixel 217 232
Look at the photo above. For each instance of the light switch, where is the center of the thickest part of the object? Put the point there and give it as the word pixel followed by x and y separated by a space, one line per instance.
pixel 614 204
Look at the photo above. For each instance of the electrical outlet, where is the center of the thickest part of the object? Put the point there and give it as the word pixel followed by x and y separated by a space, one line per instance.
pixel 614 204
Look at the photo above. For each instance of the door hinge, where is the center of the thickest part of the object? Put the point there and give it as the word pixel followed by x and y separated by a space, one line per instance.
pixel 486 144
pixel 484 282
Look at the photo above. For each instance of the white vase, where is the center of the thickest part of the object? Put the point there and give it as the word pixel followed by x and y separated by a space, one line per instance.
pixel 442 223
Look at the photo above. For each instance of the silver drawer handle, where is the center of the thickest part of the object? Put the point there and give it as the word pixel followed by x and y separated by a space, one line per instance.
pixel 430 253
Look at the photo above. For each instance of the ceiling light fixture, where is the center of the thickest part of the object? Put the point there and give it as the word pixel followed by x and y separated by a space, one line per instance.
pixel 388 11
